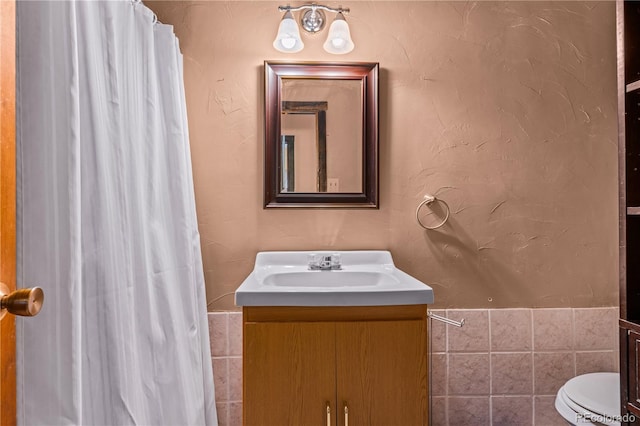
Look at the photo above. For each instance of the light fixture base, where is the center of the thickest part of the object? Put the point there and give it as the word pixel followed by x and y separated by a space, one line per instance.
pixel 313 20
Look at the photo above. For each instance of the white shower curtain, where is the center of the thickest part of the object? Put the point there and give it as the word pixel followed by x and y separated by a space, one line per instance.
pixel 107 223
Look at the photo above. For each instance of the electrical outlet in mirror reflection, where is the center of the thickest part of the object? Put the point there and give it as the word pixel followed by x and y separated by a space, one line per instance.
pixel 333 185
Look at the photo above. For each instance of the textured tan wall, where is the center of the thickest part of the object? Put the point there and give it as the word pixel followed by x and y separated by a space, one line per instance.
pixel 506 110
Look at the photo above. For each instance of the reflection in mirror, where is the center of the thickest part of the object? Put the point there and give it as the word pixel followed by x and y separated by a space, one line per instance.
pixel 339 144
pixel 306 123
pixel 288 164
pixel 321 135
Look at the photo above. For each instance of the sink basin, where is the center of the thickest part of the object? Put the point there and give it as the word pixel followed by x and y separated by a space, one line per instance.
pixel 367 278
pixel 334 279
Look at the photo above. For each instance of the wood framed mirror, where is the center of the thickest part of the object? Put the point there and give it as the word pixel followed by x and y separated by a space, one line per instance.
pixel 321 135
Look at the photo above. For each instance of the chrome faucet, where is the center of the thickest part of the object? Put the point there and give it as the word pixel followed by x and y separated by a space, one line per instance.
pixel 324 262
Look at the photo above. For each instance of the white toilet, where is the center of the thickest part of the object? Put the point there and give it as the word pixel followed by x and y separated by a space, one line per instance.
pixel 592 398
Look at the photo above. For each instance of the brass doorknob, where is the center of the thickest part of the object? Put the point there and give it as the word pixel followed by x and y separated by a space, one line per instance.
pixel 25 302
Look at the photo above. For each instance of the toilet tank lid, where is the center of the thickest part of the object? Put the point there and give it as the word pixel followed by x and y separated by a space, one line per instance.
pixel 597 392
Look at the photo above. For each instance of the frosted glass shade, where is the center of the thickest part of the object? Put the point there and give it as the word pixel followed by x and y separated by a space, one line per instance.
pixel 288 38
pixel 339 38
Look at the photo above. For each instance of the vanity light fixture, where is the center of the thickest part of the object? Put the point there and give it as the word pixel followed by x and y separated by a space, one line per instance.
pixel 288 38
pixel 313 20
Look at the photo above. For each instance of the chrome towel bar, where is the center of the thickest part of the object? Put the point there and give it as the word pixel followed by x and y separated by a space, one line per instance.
pixel 446 320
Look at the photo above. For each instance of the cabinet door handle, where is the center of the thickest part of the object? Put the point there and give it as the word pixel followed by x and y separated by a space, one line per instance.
pixel 346 415
pixel 328 414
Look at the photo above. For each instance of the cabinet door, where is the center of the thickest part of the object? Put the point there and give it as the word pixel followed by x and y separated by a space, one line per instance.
pixel 289 373
pixel 632 377
pixel 382 373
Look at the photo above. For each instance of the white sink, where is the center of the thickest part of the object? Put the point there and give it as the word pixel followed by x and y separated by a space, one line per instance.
pixel 334 279
pixel 367 278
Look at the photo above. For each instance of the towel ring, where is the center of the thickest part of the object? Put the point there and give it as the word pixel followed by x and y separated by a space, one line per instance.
pixel 428 199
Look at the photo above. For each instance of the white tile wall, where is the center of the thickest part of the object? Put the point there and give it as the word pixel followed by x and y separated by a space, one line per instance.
pixel 225 332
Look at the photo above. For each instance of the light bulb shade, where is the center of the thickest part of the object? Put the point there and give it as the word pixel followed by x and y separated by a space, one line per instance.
pixel 339 39
pixel 288 39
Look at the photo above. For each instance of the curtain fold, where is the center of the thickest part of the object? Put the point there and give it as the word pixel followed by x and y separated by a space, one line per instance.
pixel 107 223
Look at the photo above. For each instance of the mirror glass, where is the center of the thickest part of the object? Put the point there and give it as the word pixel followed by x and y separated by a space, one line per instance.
pixel 321 135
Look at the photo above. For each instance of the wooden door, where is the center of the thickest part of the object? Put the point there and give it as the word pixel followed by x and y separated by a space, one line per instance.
pixel 7 207
pixel 289 373
pixel 382 373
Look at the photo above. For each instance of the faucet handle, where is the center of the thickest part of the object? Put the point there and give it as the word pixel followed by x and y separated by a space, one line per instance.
pixel 336 261
pixel 314 261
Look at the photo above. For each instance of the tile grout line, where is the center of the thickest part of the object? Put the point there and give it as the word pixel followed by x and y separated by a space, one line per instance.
pixel 446 360
pixel 489 340
pixel 227 351
pixel 533 367
pixel 228 337
pixel 573 338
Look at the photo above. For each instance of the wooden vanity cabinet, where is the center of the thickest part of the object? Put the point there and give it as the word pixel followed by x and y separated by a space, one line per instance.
pixel 305 365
